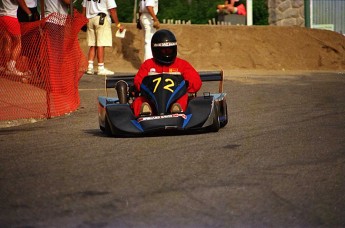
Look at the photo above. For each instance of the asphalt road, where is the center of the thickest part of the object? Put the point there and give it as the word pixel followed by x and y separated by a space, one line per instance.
pixel 280 162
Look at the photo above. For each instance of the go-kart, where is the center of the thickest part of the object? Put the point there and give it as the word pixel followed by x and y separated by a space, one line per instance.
pixel 207 112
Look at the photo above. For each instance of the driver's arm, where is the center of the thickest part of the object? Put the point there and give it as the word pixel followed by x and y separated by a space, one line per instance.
pixel 141 74
pixel 193 78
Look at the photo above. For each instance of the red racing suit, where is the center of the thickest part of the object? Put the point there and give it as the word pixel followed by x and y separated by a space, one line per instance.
pixel 150 67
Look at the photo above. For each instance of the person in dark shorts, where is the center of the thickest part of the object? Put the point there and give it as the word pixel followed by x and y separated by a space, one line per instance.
pixel 24 17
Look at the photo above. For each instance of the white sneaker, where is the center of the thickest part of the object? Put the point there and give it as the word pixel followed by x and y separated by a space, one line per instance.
pixel 105 71
pixel 90 71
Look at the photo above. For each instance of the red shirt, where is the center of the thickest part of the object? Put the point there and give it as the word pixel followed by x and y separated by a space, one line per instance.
pixel 150 67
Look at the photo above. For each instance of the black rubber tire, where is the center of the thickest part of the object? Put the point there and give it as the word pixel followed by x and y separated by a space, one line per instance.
pixel 224 112
pixel 102 129
pixel 107 129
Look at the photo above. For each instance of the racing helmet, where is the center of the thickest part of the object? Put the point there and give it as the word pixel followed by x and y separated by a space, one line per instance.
pixel 164 47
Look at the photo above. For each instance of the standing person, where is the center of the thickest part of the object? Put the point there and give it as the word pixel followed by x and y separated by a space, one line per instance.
pixel 99 33
pixel 164 49
pixel 56 6
pixel 11 34
pixel 29 50
pixel 24 17
pixel 148 10
pixel 56 12
pixel 233 6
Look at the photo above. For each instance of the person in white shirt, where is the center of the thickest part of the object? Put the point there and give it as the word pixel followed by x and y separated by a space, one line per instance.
pixel 11 34
pixel 148 10
pixel 56 6
pixel 56 14
pixel 99 34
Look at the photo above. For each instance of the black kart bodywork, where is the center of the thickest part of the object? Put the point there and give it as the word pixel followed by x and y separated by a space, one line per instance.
pixel 206 112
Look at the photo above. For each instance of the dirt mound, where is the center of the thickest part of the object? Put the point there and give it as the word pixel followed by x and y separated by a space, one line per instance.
pixel 237 48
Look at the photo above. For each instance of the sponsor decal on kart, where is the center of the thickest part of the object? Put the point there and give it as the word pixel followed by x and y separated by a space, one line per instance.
pixel 161 117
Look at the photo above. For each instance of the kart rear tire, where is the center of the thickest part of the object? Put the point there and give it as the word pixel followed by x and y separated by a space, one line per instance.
pixel 223 113
pixel 107 129
pixel 215 124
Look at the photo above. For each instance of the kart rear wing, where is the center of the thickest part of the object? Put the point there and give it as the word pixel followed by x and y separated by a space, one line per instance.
pixel 206 76
pixel 209 76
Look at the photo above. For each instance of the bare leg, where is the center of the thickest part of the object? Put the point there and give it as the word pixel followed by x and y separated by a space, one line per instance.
pixel 5 45
pixel 100 57
pixel 91 57
pixel 14 55
pixel 231 9
pixel 16 47
pixel 92 53
pixel 100 54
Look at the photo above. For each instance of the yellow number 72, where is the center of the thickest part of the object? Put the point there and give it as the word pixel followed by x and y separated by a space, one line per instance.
pixel 169 83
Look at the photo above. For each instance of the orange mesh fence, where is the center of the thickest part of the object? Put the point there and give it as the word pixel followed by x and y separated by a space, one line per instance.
pixel 43 83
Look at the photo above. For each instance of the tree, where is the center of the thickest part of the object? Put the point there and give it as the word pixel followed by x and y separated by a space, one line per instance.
pixel 260 12
pixel 197 11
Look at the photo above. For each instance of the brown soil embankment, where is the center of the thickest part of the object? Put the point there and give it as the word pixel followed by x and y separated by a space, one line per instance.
pixel 237 48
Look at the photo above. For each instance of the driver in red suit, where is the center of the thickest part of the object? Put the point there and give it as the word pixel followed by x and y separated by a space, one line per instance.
pixel 164 51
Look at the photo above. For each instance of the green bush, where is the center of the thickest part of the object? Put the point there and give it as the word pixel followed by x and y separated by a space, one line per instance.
pixel 260 12
pixel 77 5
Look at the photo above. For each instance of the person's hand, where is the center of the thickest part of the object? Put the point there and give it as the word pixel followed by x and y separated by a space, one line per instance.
pixel 120 27
pixel 156 24
pixel 139 25
pixel 30 17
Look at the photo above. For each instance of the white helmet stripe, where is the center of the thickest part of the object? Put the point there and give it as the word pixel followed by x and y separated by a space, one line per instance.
pixel 165 44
